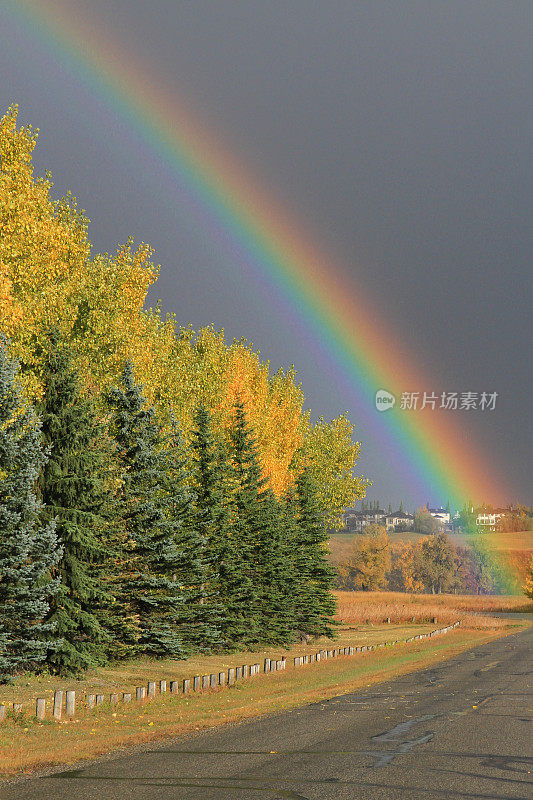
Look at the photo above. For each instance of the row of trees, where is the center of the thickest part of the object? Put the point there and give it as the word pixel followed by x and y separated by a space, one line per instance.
pixel 49 277
pixel 119 539
pixel 431 564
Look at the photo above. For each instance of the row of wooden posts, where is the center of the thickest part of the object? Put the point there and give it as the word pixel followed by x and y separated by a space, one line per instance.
pixel 201 682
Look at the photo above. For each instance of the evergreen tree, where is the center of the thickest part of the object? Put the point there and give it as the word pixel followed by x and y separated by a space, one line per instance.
pixel 249 487
pixel 73 490
pixel 275 575
pixel 199 628
pixel 151 507
pixel 314 603
pixel 28 549
pixel 211 520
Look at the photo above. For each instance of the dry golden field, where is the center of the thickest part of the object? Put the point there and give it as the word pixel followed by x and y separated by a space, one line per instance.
pixel 357 607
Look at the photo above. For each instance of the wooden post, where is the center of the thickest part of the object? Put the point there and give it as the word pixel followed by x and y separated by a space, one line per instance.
pixel 58 702
pixel 412 619
pixel 140 693
pixel 279 664
pixel 162 687
pixel 2 712
pixel 174 687
pixel 113 699
pixel 17 708
pixel 296 661
pixel 231 676
pixel 126 697
pixel 196 683
pixel 367 622
pixel 90 700
pixel 100 699
pixel 71 703
pixel 238 673
pixel 434 620
pixel 222 678
pixel 151 690
pixel 267 665
pixel 213 680
pixel 186 685
pixel 40 708
pixel 245 670
pixel 205 681
pixel 312 658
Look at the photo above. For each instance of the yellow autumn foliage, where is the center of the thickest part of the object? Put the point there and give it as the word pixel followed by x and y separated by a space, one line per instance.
pixel 48 277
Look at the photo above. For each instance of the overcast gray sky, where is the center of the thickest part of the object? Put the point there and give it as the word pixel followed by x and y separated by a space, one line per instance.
pixel 401 134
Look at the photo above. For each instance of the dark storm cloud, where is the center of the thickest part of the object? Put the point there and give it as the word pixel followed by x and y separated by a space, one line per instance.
pixel 400 133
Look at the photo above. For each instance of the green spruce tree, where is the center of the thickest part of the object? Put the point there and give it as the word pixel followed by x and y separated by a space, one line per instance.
pixel 275 575
pixel 149 603
pixel 73 490
pixel 28 549
pixel 314 602
pixel 211 520
pixel 249 525
pixel 199 625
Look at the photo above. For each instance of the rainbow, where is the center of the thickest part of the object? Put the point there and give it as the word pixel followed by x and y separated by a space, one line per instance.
pixel 431 448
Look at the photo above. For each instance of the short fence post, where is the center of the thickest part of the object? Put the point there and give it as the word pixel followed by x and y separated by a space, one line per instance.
pixel 140 693
pixel 245 670
pixel 238 673
pixel 113 699
pixel 267 665
pixel 196 683
pixel 231 676
pixel 213 680
pixel 40 708
pixel 412 619
pixel 388 620
pixel 434 620
pixel 58 702
pixel 205 681
pixel 222 678
pixel 126 697
pixel 162 687
pixel 279 664
pixel 186 685
pixel 174 687
pixel 71 703
pixel 91 700
pixel 2 712
pixel 17 708
pixel 312 658
pixel 151 689
pixel 100 699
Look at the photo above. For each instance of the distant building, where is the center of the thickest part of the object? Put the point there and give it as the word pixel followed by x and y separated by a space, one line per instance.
pixel 441 514
pixel 357 521
pixel 399 518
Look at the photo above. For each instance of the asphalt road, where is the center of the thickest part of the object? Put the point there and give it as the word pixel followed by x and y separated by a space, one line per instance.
pixel 462 729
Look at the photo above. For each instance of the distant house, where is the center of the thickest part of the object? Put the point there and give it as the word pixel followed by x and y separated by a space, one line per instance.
pixel 357 521
pixel 490 520
pixel 441 514
pixel 399 518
